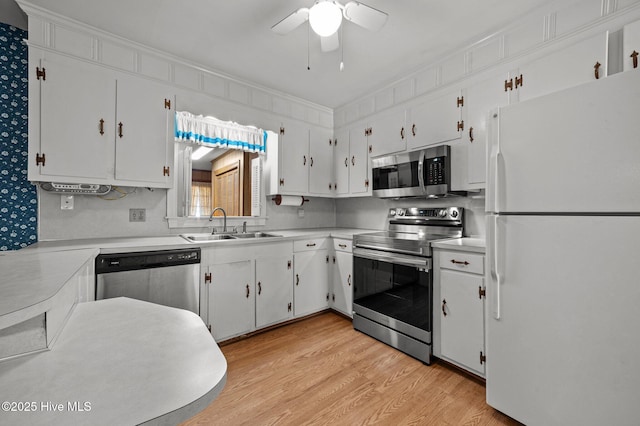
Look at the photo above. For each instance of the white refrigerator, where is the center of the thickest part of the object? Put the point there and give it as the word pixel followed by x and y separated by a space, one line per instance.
pixel 563 256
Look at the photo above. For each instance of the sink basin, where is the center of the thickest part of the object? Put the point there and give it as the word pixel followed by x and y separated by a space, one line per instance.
pixel 254 235
pixel 206 237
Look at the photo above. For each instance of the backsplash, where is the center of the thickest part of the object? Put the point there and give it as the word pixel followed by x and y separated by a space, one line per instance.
pixel 18 200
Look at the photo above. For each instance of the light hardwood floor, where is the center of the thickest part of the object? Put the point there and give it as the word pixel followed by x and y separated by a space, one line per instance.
pixel 322 372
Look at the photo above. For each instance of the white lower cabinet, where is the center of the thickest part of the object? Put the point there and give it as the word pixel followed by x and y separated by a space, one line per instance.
pixel 311 276
pixel 459 308
pixel 246 287
pixel 231 301
pixel 274 292
pixel 341 298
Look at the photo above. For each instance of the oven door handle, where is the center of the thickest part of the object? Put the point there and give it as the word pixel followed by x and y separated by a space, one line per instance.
pixel 401 259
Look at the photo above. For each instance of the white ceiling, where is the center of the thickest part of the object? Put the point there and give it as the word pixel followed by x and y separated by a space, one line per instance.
pixel 234 37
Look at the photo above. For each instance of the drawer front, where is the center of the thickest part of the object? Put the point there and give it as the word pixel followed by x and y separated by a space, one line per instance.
pixel 310 244
pixel 461 261
pixel 340 244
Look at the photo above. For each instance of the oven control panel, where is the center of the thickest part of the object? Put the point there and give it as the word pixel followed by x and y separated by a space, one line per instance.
pixel 421 213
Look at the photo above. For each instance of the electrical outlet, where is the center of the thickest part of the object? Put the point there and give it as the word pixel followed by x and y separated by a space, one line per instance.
pixel 137 215
pixel 66 202
pixel 300 212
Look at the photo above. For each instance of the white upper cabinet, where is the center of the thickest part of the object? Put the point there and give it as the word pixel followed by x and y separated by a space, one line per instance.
pixel 577 63
pixel 89 125
pixel 300 163
pixel 341 163
pixel 386 134
pixel 436 120
pixel 358 162
pixel 630 46
pixel 480 98
pixel 320 162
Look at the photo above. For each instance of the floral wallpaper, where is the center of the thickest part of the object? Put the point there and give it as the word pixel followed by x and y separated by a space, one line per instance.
pixel 18 201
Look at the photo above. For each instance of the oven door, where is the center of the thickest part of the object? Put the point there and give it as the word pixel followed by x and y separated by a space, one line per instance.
pixel 394 290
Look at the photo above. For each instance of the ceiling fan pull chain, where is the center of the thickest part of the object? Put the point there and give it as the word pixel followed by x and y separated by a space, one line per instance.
pixel 308 48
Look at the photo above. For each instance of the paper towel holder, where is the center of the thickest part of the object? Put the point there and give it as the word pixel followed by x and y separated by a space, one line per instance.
pixel 278 200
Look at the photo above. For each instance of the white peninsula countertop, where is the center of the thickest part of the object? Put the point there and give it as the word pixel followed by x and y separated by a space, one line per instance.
pixel 117 361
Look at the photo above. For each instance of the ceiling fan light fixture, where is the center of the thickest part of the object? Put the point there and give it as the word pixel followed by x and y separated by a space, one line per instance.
pixel 325 18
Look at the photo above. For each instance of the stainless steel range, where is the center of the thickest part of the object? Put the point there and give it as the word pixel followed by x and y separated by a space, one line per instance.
pixel 392 293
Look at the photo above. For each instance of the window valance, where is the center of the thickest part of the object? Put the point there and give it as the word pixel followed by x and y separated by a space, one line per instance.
pixel 217 133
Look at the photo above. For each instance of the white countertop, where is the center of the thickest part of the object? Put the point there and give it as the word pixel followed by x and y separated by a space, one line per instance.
pixel 168 242
pixel 132 361
pixel 461 244
pixel 30 279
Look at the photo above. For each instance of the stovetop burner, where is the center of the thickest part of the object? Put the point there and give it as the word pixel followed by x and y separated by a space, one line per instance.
pixel 411 230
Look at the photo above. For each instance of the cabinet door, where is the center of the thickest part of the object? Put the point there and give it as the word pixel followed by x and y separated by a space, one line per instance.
pixel 341 163
pixel 564 68
pixel 294 159
pixel 630 46
pixel 387 134
pixel 479 99
pixel 320 162
pixel 311 282
pixel 142 129
pixel 274 290
pixel 358 163
pixel 437 120
pixel 342 294
pixel 77 116
pixel 231 299
pixel 462 328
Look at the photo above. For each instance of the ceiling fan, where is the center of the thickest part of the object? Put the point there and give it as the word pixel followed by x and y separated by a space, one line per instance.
pixel 325 18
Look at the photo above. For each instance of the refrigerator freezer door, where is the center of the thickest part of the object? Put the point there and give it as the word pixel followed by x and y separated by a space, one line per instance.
pixel 565 348
pixel 572 151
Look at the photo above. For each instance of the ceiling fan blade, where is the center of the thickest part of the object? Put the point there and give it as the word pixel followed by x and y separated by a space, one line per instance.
pixel 365 16
pixel 330 43
pixel 292 21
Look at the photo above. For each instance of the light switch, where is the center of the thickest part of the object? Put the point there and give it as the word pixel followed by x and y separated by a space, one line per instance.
pixel 66 202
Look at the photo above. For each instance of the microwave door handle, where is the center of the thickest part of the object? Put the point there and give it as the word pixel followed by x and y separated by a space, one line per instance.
pixel 423 190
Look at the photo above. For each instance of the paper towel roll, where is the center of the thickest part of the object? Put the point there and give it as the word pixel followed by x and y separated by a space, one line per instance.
pixel 288 200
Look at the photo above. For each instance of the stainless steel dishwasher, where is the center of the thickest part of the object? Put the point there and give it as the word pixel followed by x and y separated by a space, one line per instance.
pixel 166 277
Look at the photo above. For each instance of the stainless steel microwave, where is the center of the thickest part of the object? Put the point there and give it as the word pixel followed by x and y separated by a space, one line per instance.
pixel 424 173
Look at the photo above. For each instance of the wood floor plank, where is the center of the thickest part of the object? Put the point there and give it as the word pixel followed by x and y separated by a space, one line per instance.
pixel 321 371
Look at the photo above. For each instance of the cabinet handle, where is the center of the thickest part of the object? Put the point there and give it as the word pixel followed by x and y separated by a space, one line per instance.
pixel 248 291
pixel 288 264
pixel 297 279
pixel 470 134
pixel 459 262
pixel 596 70
pixel 304 160
pixel 120 129
pixel 353 160
pixel 311 244
pixel 259 288
pixel 349 280
pixel 444 305
pixel 413 130
pixel 346 162
pixel 402 133
pixel 101 126
pixel 342 245
pixel 289 307
pixel 311 161
pixel 634 58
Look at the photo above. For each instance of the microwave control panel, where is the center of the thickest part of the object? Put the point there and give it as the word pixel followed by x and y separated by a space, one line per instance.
pixel 435 171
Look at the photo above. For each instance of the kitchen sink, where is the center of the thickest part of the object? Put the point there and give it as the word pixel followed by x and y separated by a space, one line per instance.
pixel 254 235
pixel 206 237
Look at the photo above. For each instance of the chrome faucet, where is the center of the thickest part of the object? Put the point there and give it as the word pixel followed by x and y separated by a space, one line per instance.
pixel 224 223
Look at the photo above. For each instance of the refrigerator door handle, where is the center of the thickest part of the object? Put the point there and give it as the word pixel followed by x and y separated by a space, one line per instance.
pixel 494 160
pixel 496 278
